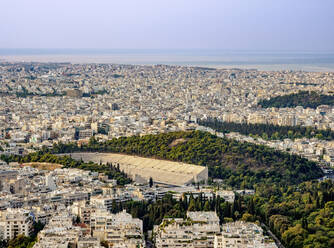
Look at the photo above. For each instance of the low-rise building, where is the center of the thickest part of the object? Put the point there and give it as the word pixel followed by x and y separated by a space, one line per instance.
pixel 117 230
pixel 242 235
pixel 197 230
pixel 59 232
pixel 15 222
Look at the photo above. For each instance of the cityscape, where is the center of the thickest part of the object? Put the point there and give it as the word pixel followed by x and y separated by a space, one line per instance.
pixel 111 101
pixel 153 124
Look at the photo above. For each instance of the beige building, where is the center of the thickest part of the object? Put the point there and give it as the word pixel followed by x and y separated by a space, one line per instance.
pixel 118 230
pixel 242 235
pixel 59 233
pixel 14 222
pixel 89 242
pixel 196 231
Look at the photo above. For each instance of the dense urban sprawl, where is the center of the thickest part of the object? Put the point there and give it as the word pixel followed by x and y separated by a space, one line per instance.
pixel 84 107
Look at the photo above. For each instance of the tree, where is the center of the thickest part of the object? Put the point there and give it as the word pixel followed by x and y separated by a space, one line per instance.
pixel 3 243
pixel 104 243
pixel 294 236
pixel 237 214
pixel 251 207
pixel 192 205
pixel 304 223
pixel 207 206
pixel 77 220
pixel 247 217
pixel 264 136
pixel 20 242
pixel 227 219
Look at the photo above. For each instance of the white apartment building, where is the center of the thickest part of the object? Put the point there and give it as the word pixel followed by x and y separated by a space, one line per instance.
pixel 227 195
pixel 118 230
pixel 59 232
pixel 89 242
pixel 242 235
pixel 196 231
pixel 14 222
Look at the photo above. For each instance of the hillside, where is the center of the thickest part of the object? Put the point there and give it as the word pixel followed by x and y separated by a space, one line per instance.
pixel 268 131
pixel 43 165
pixel 43 160
pixel 305 99
pixel 240 164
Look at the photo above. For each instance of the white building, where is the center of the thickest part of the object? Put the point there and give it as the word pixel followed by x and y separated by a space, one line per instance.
pixel 50 183
pixel 15 222
pixel 197 230
pixel 89 242
pixel 242 235
pixel 59 232
pixel 118 230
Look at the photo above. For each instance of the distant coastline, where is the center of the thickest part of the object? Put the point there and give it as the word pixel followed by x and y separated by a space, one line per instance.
pixel 260 60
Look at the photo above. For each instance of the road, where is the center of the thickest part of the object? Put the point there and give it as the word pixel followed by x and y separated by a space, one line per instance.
pixel 278 243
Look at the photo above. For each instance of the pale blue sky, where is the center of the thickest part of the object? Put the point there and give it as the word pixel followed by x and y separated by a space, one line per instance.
pixel 168 24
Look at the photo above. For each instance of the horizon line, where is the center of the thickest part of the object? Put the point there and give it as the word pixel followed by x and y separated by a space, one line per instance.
pixel 171 49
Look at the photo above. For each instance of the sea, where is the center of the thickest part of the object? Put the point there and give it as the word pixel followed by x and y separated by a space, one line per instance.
pixel 261 60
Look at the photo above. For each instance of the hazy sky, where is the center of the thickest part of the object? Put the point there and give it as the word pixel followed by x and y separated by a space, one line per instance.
pixel 168 24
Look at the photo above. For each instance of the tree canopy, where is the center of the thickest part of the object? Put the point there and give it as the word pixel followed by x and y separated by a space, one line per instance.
pixel 240 164
pixel 306 99
pixel 268 131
